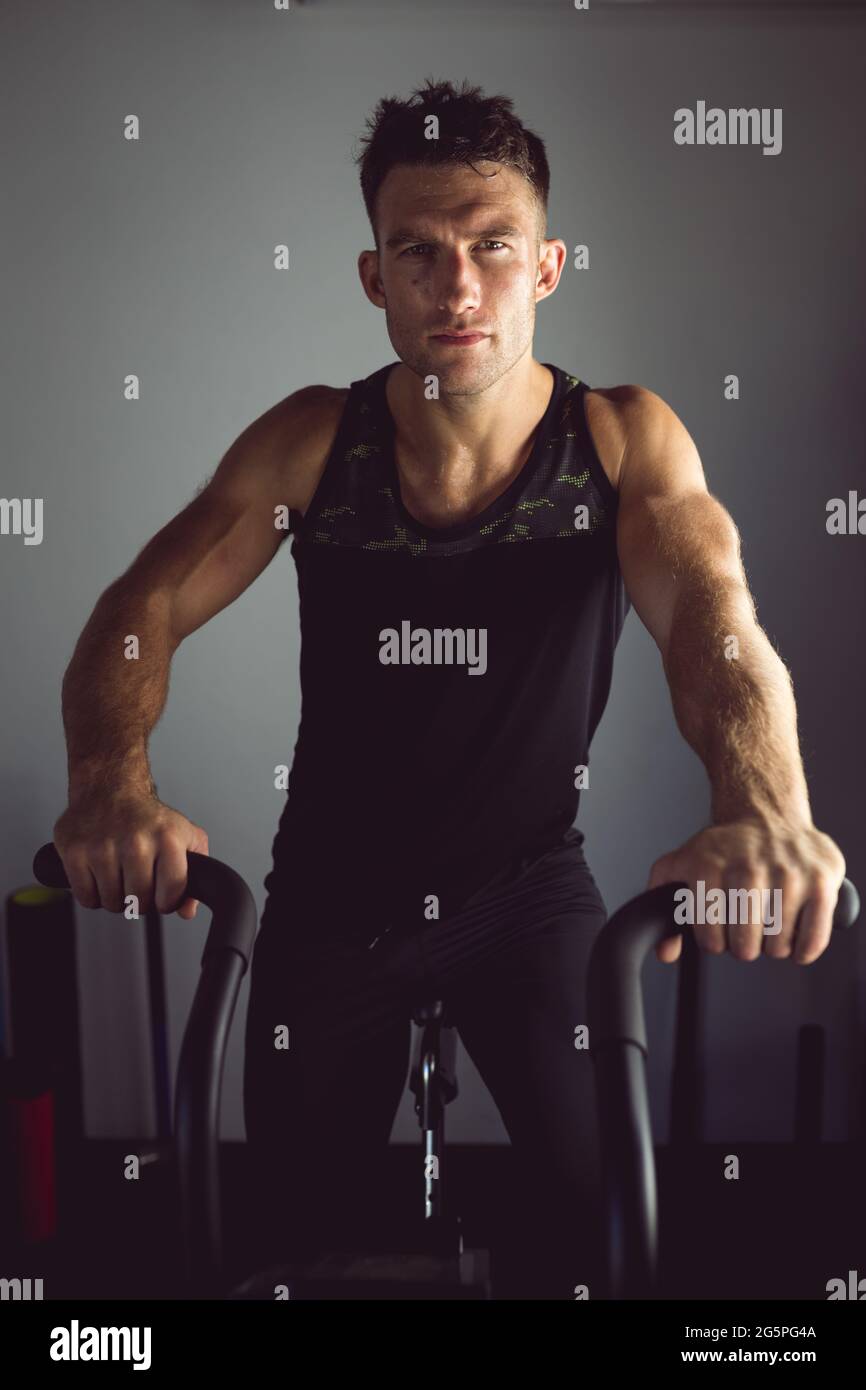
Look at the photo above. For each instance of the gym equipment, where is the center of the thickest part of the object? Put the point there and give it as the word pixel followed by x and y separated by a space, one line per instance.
pixel 618 1043
pixel 437 1266
pixel 225 958
pixel 28 1170
pixel 445 1270
pixel 442 1269
pixel 41 1096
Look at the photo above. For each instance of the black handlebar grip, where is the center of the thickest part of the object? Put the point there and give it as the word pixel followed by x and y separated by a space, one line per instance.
pixel 845 913
pixel 847 906
pixel 614 988
pixel 48 868
pixel 210 881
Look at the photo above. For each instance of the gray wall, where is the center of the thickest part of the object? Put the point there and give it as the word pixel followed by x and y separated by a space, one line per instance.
pixel 156 258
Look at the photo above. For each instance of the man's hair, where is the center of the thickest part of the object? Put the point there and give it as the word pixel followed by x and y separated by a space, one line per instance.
pixel 472 127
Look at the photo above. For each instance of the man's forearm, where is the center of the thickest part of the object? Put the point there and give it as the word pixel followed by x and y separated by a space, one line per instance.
pixel 113 698
pixel 734 704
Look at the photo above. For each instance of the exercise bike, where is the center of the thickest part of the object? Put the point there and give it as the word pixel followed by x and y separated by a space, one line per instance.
pixel 444 1269
pixel 440 1268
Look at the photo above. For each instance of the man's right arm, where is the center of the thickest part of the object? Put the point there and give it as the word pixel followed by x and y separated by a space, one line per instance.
pixel 115 831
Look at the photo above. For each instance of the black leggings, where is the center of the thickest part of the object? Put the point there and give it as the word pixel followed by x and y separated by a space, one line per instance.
pixel 511 966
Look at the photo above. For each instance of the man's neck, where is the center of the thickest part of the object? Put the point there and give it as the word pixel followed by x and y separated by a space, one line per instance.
pixel 456 455
pixel 459 445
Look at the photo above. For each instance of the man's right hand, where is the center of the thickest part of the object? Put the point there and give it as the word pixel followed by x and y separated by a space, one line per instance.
pixel 128 844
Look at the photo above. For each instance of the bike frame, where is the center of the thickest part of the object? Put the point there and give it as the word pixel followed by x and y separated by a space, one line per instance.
pixel 617 1042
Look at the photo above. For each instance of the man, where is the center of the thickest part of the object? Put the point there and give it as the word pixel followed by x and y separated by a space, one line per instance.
pixel 470 526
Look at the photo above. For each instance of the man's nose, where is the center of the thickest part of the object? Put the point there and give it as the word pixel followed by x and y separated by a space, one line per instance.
pixel 457 288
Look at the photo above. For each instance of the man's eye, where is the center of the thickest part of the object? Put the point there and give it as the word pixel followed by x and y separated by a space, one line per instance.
pixel 423 245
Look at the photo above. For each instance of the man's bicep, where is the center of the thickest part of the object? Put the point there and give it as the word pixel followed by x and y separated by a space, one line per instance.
pixel 208 554
pixel 672 534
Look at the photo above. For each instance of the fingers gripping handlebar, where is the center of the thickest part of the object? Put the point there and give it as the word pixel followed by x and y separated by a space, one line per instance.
pixel 209 880
pixel 615 1000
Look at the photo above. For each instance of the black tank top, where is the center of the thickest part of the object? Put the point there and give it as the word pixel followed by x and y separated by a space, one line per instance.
pixel 451 678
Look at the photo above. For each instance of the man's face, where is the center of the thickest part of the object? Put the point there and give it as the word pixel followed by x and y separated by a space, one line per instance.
pixel 459 252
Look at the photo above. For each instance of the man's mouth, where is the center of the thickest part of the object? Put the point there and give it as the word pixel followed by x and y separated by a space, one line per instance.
pixel 459 337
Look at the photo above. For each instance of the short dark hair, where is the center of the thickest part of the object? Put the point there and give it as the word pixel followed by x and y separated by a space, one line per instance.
pixel 471 127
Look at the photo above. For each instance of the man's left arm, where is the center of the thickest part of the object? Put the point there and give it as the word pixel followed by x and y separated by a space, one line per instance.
pixel 679 552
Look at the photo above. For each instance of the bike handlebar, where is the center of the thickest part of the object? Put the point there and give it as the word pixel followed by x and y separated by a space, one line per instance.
pixel 618 1045
pixel 208 880
pixel 225 958
pixel 626 940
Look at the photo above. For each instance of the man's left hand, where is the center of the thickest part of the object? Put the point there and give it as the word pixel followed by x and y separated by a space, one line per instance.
pixel 764 852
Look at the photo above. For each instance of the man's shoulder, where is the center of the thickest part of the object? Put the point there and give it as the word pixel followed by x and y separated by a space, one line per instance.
pixel 315 404
pixel 307 423
pixel 616 413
